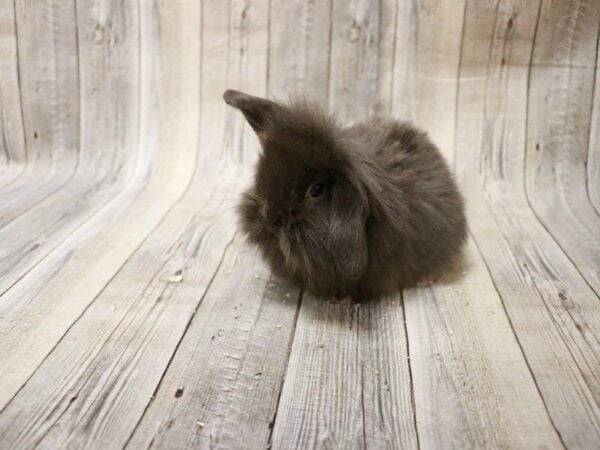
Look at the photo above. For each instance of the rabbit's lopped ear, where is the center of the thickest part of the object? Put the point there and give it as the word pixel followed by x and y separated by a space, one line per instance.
pixel 256 110
pixel 347 241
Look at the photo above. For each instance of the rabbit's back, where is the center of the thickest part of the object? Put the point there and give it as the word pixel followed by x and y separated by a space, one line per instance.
pixel 422 198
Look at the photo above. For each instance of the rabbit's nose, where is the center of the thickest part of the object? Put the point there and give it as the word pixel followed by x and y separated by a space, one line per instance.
pixel 292 217
pixel 271 214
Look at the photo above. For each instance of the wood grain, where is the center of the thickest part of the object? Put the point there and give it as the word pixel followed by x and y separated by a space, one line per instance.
pixel 47 89
pixel 107 130
pixel 558 127
pixel 230 387
pixel 472 386
pixel 321 401
pixel 132 325
pixel 551 308
pixel 593 154
pixel 42 306
pixel 133 315
pixel 355 58
pixel 199 245
pixel 294 67
pixel 460 401
pixel 13 154
pixel 230 364
pixel 426 63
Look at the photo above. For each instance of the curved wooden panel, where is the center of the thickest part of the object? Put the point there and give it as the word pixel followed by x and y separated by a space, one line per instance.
pixel 536 280
pixel 47 89
pixel 593 156
pixel 560 102
pixel 13 154
pixel 133 315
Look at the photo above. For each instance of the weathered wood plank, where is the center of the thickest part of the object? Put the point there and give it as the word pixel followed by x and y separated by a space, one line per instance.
pixel 48 92
pixel 39 309
pixel 426 62
pixel 464 395
pixel 552 310
pixel 387 398
pixel 321 402
pixel 386 44
pixel 119 348
pixel 228 357
pixel 294 66
pixel 355 58
pixel 348 382
pixel 104 418
pixel 107 133
pixel 472 386
pixel 222 388
pixel 558 129
pixel 593 160
pixel 13 153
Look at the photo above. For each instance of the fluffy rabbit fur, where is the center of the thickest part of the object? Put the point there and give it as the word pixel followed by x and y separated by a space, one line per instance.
pixel 348 211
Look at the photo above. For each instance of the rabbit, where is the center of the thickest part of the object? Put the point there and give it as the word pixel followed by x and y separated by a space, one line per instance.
pixel 358 211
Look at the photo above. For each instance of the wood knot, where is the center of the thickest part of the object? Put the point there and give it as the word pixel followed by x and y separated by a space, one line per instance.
pixel 98 34
pixel 355 29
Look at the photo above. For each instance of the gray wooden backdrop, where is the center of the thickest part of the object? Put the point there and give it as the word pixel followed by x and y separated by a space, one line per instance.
pixel 132 314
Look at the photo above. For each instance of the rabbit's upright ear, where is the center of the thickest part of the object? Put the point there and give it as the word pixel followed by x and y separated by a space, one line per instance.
pixel 256 110
pixel 347 241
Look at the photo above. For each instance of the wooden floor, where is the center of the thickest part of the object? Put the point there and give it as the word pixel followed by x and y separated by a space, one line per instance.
pixel 132 314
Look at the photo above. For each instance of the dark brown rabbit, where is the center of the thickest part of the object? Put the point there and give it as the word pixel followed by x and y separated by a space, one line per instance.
pixel 361 210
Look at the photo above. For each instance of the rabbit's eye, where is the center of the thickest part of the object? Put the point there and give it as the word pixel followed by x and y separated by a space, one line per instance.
pixel 317 189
